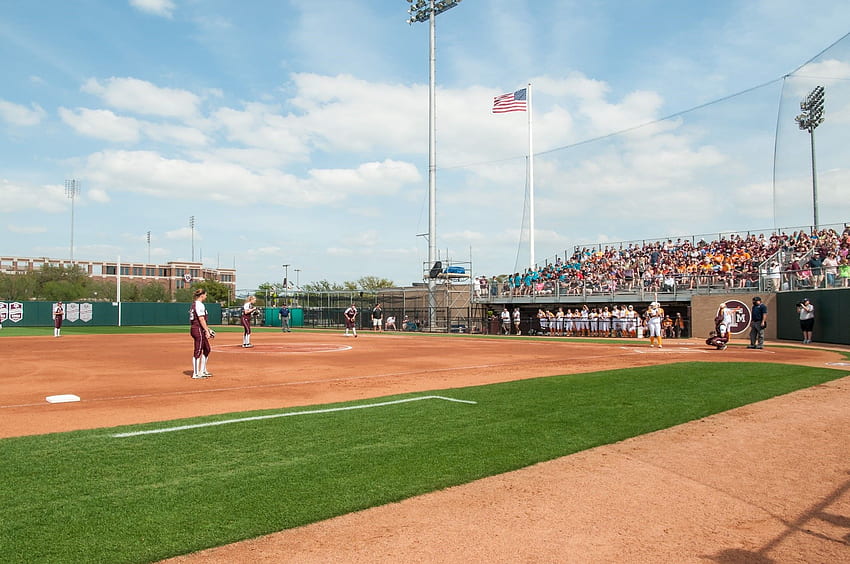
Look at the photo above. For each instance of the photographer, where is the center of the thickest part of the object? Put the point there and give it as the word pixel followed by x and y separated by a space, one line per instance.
pixel 807 319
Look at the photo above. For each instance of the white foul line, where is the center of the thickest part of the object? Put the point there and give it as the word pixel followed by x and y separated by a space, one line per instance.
pixel 276 415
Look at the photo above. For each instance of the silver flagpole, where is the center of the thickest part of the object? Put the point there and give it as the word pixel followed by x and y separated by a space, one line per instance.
pixel 532 261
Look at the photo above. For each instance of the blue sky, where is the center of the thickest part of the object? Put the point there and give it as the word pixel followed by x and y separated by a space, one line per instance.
pixel 296 132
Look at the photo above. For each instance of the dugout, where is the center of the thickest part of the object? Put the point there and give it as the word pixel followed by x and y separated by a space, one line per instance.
pixel 99 314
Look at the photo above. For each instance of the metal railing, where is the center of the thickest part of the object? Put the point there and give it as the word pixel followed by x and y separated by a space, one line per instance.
pixel 674 286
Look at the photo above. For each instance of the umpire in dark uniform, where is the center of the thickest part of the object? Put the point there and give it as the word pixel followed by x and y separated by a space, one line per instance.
pixel 758 323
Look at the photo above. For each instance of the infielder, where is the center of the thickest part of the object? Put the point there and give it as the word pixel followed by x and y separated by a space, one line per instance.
pixel 350 320
pixel 201 334
pixel 58 316
pixel 248 310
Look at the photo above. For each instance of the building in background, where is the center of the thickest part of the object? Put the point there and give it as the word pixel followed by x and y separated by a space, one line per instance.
pixel 172 275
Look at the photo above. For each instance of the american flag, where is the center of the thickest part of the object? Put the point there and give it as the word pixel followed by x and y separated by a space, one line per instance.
pixel 513 102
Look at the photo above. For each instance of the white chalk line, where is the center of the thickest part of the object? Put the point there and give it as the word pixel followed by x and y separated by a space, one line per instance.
pixel 662 350
pixel 289 414
pixel 235 348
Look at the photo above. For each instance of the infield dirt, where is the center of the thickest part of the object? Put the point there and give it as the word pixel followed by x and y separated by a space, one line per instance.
pixel 764 483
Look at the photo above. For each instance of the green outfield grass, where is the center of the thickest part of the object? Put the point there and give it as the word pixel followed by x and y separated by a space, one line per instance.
pixel 88 496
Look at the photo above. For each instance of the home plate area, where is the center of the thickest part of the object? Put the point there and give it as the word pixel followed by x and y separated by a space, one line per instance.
pixel 283 348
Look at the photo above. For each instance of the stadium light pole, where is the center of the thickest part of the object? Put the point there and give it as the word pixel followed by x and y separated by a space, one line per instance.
pixel 285 280
pixel 297 276
pixel 192 227
pixel 149 246
pixel 72 190
pixel 812 116
pixel 420 11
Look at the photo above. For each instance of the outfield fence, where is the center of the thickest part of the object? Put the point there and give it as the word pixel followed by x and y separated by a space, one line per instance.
pixel 87 313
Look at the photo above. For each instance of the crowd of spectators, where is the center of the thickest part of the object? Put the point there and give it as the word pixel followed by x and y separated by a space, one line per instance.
pixel 798 260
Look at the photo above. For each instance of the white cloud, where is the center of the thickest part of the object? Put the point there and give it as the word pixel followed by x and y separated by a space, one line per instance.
pixel 254 159
pixel 822 73
pixel 342 113
pixel 26 229
pixel 183 234
pixel 18 197
pixel 143 97
pixel 150 173
pixel 176 135
pixel 264 251
pixel 98 195
pixel 464 236
pixel 102 124
pixel 15 114
pixel 259 126
pixel 164 8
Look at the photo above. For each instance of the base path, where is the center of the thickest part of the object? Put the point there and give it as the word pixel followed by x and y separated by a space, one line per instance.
pixel 764 483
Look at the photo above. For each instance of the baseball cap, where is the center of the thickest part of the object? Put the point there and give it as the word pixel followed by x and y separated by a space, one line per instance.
pixel 756 299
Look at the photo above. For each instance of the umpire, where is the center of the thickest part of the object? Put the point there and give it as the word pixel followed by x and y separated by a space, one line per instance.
pixel 758 324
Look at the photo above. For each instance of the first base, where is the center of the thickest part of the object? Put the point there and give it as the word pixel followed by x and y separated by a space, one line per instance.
pixel 62 398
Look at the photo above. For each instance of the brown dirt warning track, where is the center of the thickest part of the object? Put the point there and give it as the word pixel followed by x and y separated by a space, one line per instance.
pixel 764 483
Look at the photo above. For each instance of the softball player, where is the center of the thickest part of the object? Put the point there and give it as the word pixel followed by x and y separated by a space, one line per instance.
pixel 248 310
pixel 58 316
pixel 350 320
pixel 654 316
pixel 201 334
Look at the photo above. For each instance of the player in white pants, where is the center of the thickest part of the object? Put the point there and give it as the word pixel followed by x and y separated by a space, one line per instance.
pixel 654 316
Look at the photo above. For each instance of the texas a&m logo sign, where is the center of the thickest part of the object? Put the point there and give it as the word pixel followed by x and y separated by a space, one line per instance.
pixel 741 316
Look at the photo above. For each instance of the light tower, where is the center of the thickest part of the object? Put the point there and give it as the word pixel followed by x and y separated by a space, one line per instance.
pixel 192 228
pixel 812 116
pixel 72 190
pixel 420 11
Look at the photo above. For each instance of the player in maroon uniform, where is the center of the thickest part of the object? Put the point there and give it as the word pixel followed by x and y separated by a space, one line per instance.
pixel 350 320
pixel 58 316
pixel 248 310
pixel 201 334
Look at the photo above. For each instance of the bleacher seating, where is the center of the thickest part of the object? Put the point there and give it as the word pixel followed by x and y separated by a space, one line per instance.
pixel 758 262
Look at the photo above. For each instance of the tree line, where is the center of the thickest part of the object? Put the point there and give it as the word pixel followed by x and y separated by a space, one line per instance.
pixel 72 283
pixel 364 283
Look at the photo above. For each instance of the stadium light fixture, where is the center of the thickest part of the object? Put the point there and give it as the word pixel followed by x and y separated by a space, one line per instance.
pixel 72 190
pixel 192 228
pixel 421 11
pixel 812 107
